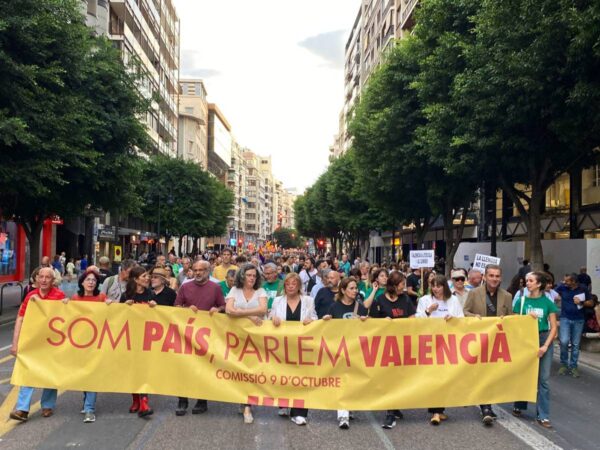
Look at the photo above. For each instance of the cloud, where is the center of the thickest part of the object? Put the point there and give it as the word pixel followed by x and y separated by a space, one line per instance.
pixel 329 46
pixel 191 68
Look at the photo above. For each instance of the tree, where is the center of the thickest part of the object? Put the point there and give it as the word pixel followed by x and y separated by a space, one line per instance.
pixel 531 98
pixel 192 202
pixel 388 170
pixel 443 35
pixel 287 238
pixel 66 102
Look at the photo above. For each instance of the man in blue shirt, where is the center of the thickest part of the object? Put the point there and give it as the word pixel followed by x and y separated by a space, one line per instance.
pixel 573 297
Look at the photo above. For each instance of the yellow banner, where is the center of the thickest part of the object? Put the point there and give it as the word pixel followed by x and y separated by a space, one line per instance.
pixel 341 364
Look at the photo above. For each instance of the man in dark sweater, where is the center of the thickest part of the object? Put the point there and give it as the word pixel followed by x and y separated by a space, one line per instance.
pixel 326 295
pixel 572 318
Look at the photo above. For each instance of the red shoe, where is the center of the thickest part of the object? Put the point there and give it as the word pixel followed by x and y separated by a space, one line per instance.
pixel 135 406
pixel 145 410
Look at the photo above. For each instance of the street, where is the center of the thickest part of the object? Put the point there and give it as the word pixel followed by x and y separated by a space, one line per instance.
pixel 572 412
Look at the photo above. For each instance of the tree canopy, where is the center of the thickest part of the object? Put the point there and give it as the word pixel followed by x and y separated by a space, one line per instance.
pixel 68 117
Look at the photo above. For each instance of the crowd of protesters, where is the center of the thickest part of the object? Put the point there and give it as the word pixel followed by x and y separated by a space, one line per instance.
pixel 294 286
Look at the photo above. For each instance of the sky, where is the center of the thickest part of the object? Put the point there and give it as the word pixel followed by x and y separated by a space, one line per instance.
pixel 275 69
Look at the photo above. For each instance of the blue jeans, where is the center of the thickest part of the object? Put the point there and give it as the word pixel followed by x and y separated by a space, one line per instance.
pixel 570 333
pixel 89 401
pixel 25 394
pixel 543 393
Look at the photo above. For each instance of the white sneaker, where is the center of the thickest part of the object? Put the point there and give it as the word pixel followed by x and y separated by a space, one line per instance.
pixel 299 420
pixel 90 417
pixel 344 423
pixel 283 412
pixel 248 418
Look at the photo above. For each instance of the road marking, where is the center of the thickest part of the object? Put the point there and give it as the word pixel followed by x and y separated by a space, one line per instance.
pixel 6 358
pixel 6 347
pixel 6 380
pixel 524 432
pixel 7 406
pixel 379 432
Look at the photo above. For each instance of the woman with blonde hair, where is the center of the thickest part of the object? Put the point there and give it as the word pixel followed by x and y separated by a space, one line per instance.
pixel 295 307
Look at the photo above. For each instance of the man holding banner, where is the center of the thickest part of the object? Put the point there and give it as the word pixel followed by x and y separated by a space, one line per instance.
pixel 489 300
pixel 45 291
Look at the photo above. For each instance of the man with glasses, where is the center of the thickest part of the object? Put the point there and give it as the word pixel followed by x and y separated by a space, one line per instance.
pixel 272 285
pixel 489 300
pixel 458 285
pixel 201 294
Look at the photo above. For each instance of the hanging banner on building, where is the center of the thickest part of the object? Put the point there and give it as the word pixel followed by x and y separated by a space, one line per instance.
pixel 338 364
pixel 422 259
pixel 481 261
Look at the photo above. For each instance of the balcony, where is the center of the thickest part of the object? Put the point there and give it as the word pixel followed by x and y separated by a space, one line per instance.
pixel 407 12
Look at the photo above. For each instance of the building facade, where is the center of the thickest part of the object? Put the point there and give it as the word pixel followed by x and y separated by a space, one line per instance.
pixel 192 140
pixel 220 142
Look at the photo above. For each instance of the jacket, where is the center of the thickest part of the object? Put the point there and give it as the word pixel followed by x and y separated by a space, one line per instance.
pixel 307 308
pixel 476 303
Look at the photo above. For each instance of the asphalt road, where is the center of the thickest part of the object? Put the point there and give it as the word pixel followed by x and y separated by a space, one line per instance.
pixel 573 414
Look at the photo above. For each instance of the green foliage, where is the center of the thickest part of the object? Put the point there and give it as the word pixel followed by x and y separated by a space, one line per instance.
pixel 192 202
pixel 68 117
pixel 288 238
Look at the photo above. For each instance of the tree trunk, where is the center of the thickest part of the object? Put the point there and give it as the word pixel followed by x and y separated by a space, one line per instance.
pixel 421 230
pixel 33 231
pixel 575 203
pixel 195 246
pixel 532 217
pixel 453 242
pixel 534 228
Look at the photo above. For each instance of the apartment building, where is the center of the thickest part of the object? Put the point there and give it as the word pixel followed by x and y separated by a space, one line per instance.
pixel 220 142
pixel 147 33
pixel 236 182
pixel 373 32
pixel 192 138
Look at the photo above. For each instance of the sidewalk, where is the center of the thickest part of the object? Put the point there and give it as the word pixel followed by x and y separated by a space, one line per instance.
pixel 12 301
pixel 588 359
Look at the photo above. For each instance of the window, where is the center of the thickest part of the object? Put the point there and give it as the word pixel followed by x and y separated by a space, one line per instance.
pixel 252 183
pixel 251 216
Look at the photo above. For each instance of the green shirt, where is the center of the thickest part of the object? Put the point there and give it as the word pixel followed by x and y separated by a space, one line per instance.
pixel 274 289
pixel 542 306
pixel 380 291
pixel 224 287
pixel 362 288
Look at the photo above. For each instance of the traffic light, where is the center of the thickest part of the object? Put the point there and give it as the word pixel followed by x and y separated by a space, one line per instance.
pixel 320 243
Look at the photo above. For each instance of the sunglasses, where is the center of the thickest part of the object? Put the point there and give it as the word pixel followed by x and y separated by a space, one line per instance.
pixel 459 279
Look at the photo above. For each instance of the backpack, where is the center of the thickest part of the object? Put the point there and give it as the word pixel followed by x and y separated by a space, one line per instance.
pixel 311 283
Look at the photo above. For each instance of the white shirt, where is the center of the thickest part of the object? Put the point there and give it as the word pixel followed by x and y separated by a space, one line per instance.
pixel 240 301
pixel 450 307
pixel 305 278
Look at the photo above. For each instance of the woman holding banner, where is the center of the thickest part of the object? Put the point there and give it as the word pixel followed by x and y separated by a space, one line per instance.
pixel 540 307
pixel 247 299
pixel 293 306
pixel 89 291
pixel 393 304
pixel 440 304
pixel 137 290
pixel 346 307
